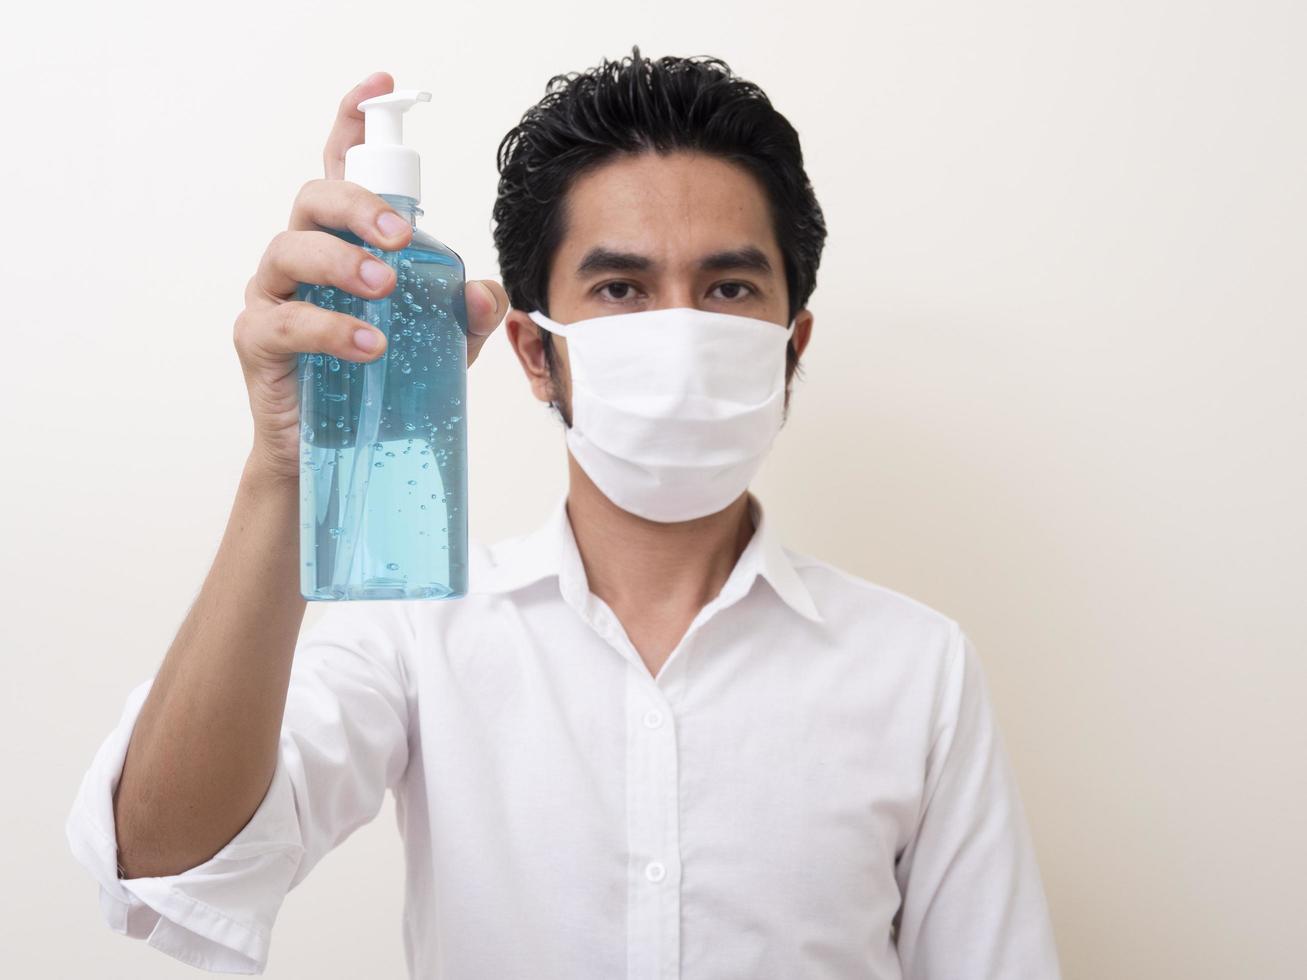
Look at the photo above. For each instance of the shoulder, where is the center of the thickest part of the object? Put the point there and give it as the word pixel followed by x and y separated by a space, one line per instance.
pixel 896 655
pixel 859 610
pixel 491 568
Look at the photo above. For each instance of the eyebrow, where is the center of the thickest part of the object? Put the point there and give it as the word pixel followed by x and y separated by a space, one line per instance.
pixel 600 259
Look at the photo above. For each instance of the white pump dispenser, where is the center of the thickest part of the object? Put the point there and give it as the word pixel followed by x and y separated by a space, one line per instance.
pixel 382 163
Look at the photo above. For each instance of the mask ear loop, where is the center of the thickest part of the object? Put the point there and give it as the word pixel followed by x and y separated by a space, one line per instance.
pixel 560 330
pixel 789 336
pixel 789 346
pixel 553 326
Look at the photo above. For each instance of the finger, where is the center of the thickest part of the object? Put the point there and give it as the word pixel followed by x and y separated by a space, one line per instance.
pixel 345 205
pixel 316 257
pixel 347 130
pixel 487 304
pixel 276 332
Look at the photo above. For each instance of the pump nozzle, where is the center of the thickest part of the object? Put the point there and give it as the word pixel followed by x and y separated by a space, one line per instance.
pixel 382 163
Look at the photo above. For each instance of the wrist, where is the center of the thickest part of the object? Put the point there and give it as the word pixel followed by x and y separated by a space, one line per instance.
pixel 265 474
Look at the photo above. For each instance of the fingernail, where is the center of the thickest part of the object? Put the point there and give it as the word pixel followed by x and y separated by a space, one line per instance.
pixel 391 225
pixel 374 273
pixel 367 340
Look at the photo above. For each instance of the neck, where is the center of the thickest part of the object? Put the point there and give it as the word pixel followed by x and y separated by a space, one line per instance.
pixel 644 568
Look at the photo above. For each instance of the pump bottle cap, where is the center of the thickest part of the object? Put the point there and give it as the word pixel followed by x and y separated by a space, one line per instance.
pixel 382 163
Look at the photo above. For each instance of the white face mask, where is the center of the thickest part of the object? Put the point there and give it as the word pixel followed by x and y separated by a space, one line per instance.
pixel 674 410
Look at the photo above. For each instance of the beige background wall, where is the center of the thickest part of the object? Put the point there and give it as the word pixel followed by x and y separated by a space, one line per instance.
pixel 1056 390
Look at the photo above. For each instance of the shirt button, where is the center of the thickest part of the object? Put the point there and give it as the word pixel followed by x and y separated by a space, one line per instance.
pixel 652 718
pixel 655 871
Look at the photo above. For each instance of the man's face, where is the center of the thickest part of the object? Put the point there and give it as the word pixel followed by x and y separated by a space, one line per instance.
pixel 649 232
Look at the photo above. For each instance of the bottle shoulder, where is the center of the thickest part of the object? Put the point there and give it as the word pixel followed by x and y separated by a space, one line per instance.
pixel 429 243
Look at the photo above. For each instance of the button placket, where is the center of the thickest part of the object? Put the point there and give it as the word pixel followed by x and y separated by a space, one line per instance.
pixel 653 806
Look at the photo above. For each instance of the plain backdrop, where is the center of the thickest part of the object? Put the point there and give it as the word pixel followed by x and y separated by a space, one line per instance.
pixel 1055 390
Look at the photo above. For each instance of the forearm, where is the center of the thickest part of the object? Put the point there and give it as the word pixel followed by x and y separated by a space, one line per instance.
pixel 204 747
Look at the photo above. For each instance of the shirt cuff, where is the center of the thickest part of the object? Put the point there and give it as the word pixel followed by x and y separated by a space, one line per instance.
pixel 216 916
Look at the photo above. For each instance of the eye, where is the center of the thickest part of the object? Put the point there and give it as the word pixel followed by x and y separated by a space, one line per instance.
pixel 734 289
pixel 625 290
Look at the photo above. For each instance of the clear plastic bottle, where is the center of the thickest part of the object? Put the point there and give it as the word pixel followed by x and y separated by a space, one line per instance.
pixel 383 444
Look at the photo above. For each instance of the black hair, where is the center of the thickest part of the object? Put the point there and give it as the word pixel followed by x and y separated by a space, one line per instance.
pixel 634 105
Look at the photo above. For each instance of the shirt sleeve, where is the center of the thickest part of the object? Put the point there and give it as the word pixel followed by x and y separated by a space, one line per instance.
pixel 344 741
pixel 973 904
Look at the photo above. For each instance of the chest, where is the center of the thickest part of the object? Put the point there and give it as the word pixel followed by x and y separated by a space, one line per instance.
pixel 742 766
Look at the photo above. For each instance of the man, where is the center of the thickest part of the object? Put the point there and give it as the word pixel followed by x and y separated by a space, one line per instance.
pixel 651 742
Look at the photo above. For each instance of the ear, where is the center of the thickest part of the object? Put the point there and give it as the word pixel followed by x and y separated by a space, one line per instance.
pixel 802 331
pixel 524 338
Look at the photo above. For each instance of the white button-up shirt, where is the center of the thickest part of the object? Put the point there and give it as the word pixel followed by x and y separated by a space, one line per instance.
pixel 813 786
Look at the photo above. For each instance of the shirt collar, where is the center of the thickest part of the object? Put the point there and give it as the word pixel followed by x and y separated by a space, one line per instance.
pixel 551 550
